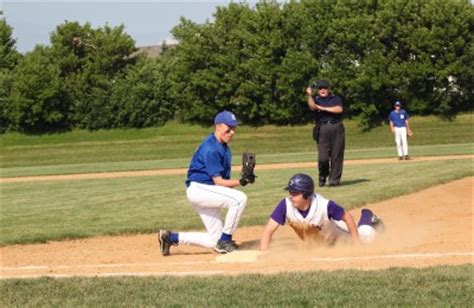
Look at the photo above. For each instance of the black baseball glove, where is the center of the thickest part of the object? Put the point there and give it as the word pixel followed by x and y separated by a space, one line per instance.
pixel 248 165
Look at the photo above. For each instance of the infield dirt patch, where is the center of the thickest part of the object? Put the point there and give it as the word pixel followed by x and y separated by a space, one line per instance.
pixel 164 172
pixel 430 227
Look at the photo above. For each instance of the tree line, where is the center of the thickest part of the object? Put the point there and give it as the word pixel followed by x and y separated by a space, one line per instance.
pixel 253 60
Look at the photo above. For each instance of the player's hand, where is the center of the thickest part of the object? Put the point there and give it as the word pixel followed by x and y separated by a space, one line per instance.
pixel 309 91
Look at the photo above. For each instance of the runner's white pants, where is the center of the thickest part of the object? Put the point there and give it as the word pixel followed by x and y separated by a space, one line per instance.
pixel 208 201
pixel 401 141
pixel 339 229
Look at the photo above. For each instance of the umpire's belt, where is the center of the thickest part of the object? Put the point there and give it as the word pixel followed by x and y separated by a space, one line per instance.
pixel 330 122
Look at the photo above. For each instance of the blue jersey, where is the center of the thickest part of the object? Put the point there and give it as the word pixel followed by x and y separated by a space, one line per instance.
pixel 398 118
pixel 210 159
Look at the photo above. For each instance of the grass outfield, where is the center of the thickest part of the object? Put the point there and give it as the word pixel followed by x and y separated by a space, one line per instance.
pixel 438 286
pixel 40 211
pixel 171 146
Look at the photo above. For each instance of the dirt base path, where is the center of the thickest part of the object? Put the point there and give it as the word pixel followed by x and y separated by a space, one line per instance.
pixel 431 227
pixel 157 172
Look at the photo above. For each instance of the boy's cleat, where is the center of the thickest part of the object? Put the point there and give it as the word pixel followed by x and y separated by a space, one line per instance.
pixel 225 246
pixel 165 242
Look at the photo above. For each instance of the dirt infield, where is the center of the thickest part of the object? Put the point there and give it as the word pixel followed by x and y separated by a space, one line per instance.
pixel 164 172
pixel 431 227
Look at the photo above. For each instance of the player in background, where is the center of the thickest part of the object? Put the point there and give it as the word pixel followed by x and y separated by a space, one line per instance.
pixel 316 218
pixel 210 189
pixel 400 128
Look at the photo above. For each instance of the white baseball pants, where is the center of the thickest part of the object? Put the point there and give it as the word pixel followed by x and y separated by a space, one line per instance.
pixel 366 232
pixel 208 201
pixel 401 141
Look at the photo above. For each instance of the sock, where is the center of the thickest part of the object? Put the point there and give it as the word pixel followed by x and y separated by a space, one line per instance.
pixel 174 237
pixel 226 237
pixel 365 218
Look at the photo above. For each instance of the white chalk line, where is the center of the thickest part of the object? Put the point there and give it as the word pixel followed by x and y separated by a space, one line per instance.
pixel 119 274
pixel 398 256
pixel 119 265
pixel 315 259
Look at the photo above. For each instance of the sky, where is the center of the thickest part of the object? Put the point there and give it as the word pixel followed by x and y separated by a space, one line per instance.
pixel 147 22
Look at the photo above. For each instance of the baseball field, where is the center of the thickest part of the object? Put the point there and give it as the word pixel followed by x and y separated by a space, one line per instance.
pixel 80 213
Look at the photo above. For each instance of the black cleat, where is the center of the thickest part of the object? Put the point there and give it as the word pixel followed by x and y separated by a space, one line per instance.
pixel 225 246
pixel 165 242
pixel 322 181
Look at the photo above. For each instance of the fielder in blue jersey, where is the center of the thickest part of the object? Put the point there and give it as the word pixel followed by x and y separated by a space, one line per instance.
pixel 210 189
pixel 401 129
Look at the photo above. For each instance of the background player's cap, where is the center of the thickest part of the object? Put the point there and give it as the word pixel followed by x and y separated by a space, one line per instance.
pixel 226 117
pixel 397 103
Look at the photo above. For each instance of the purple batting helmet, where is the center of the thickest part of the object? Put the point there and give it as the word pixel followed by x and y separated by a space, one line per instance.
pixel 301 182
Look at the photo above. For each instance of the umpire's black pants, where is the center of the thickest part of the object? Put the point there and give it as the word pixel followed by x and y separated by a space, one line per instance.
pixel 331 152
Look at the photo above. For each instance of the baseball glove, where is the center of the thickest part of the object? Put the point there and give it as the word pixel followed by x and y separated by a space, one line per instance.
pixel 248 165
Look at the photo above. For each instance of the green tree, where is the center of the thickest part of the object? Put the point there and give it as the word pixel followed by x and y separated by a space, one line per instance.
pixel 38 94
pixel 140 98
pixel 231 64
pixel 257 61
pixel 428 43
pixel 91 61
pixel 9 58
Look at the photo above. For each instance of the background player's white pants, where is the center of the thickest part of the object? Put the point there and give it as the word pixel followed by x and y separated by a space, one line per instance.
pixel 208 200
pixel 401 141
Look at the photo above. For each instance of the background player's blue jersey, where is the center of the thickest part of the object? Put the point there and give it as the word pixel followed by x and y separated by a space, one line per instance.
pixel 210 159
pixel 398 118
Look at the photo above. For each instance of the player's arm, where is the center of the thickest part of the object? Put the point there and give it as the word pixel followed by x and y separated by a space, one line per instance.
pixel 267 234
pixel 408 125
pixel 347 218
pixel 391 127
pixel 218 180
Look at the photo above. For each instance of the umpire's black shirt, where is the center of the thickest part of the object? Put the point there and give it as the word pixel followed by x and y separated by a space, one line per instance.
pixel 328 101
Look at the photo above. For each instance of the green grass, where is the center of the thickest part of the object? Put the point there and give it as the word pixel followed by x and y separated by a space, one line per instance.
pixel 40 211
pixel 171 146
pixel 380 152
pixel 446 286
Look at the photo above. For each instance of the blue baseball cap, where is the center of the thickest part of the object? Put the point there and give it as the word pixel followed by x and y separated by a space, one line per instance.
pixel 226 117
pixel 397 103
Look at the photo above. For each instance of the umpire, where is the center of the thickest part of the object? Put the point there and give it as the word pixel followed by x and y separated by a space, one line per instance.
pixel 328 132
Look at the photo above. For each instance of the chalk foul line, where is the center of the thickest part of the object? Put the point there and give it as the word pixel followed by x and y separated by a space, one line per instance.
pixel 397 256
pixel 315 259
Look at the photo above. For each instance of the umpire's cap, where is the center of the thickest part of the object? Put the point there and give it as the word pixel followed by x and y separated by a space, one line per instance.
pixel 301 182
pixel 322 83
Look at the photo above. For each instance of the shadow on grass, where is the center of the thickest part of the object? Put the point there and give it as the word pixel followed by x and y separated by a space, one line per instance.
pixel 354 182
